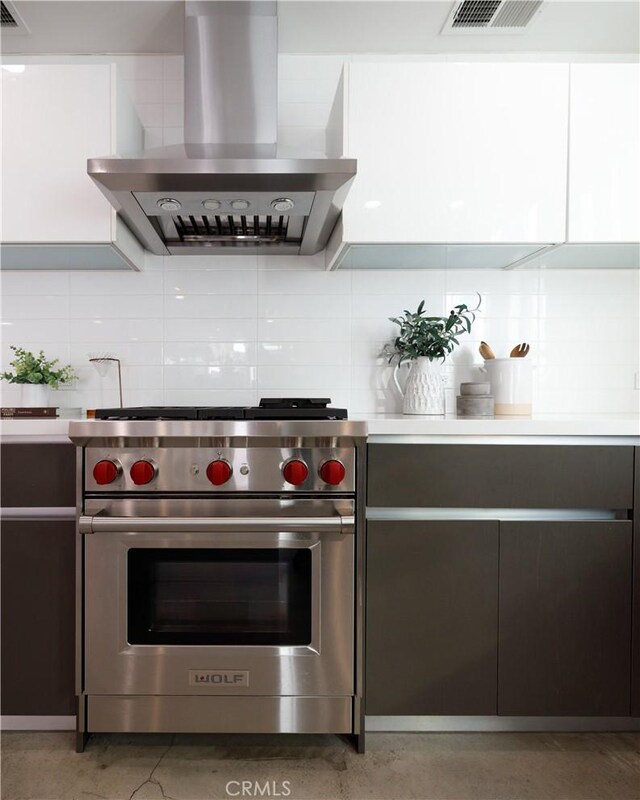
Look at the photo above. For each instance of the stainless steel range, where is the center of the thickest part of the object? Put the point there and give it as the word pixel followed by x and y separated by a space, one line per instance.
pixel 219 572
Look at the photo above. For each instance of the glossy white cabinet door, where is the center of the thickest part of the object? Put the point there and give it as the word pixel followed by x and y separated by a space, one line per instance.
pixel 54 117
pixel 604 146
pixel 469 152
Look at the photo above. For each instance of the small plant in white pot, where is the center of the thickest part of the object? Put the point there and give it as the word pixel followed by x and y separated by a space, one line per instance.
pixel 426 341
pixel 35 374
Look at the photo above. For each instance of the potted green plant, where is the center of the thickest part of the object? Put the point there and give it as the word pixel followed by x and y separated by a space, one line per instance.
pixel 426 341
pixel 35 375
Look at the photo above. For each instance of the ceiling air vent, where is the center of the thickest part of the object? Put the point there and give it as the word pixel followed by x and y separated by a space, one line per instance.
pixel 10 20
pixel 491 16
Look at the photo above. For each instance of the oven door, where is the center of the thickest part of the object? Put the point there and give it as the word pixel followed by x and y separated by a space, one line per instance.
pixel 219 597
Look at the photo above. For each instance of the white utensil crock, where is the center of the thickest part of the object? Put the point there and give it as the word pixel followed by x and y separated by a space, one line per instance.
pixel 511 382
pixel 34 395
pixel 424 390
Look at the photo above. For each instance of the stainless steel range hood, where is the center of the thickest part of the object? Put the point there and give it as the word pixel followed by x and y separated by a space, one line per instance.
pixel 228 188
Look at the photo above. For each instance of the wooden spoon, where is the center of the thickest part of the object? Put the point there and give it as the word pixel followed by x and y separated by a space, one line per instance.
pixel 486 352
pixel 519 351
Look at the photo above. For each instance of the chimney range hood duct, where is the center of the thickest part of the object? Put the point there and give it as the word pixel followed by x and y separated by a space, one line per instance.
pixel 228 188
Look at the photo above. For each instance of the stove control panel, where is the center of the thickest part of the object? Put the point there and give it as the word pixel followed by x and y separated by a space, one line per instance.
pixel 232 469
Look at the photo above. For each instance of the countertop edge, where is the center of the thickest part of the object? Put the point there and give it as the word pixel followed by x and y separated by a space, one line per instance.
pixel 616 429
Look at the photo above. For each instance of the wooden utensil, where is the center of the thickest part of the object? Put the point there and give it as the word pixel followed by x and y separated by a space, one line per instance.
pixel 519 351
pixel 486 352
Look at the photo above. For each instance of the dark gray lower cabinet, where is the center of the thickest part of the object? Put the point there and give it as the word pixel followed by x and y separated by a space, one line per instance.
pixel 565 618
pixel 432 617
pixel 38 616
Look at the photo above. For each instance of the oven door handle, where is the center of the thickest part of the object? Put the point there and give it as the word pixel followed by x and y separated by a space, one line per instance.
pixel 102 524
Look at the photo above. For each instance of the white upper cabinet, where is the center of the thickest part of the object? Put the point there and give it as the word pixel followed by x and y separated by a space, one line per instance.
pixel 604 146
pixel 456 153
pixel 55 117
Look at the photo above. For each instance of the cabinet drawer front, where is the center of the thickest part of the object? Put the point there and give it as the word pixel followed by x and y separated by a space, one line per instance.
pixel 432 618
pixel 38 475
pixel 500 476
pixel 38 617
pixel 565 618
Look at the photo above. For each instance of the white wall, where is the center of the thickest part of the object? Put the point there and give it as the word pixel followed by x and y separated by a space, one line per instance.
pixel 226 330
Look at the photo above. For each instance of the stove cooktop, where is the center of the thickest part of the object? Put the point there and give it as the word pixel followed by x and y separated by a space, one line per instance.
pixel 269 408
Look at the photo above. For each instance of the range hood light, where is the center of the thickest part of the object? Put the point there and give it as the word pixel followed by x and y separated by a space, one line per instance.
pixel 240 205
pixel 282 204
pixel 169 204
pixel 211 205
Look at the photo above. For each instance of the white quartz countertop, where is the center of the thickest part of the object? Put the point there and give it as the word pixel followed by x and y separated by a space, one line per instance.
pixel 437 429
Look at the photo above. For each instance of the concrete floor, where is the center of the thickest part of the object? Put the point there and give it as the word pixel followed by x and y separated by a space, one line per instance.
pixel 424 766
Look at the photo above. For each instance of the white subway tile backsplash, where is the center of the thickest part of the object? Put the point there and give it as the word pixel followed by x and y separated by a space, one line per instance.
pixel 209 377
pixel 34 283
pixel 146 91
pixel 287 354
pixel 173 90
pixel 173 115
pixel 210 397
pixel 231 306
pixel 218 282
pixel 115 330
pixel 35 333
pixel 331 329
pixel 25 306
pixel 173 68
pixel 309 306
pixel 105 306
pixel 130 353
pixel 298 378
pixel 210 330
pixel 151 114
pixel 115 283
pixel 173 136
pixel 428 285
pixel 153 137
pixel 210 353
pixel 300 283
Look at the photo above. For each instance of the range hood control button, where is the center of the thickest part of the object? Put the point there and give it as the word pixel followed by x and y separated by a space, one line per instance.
pixel 169 204
pixel 211 205
pixel 240 205
pixel 282 204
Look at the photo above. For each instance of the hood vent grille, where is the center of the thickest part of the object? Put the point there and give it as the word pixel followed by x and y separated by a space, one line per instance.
pixel 10 20
pixel 491 16
pixel 236 229
pixel 7 20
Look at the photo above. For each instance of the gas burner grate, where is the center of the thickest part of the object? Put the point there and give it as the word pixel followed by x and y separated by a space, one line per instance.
pixel 235 228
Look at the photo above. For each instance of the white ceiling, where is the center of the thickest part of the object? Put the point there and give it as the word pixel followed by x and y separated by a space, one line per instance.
pixel 326 26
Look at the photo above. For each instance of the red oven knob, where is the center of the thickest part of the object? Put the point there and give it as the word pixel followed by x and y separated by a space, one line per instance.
pixel 219 472
pixel 142 472
pixel 332 472
pixel 106 471
pixel 295 472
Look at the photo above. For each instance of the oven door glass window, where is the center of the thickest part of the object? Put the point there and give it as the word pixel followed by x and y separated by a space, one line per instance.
pixel 223 596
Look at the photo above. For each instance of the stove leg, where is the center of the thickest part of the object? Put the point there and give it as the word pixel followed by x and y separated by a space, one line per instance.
pixel 359 743
pixel 82 737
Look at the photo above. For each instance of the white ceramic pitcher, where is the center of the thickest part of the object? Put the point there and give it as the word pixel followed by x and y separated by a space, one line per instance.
pixel 424 390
